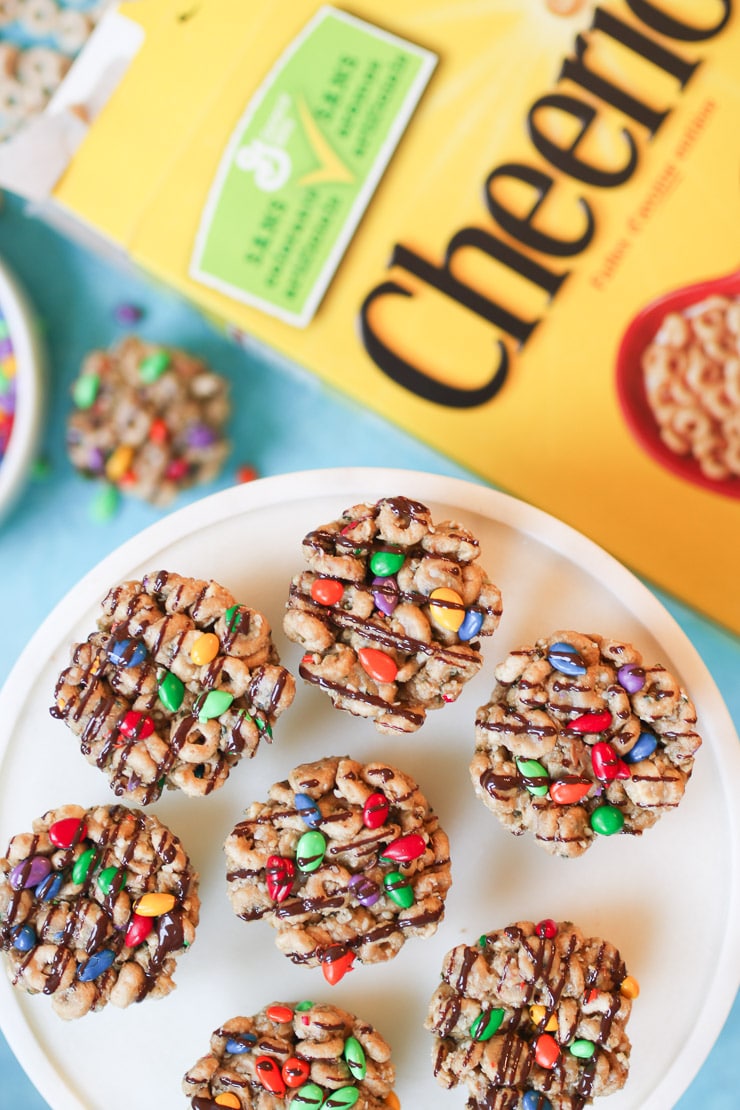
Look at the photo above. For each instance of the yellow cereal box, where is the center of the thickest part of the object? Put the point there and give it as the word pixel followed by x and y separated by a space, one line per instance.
pixel 509 225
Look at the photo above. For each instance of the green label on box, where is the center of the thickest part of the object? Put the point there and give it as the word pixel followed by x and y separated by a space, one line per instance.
pixel 304 161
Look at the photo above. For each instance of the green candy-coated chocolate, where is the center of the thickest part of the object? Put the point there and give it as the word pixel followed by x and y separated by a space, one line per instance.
pixel 111 878
pixel 83 865
pixel 230 616
pixel 104 505
pixel 583 1049
pixel 310 850
pixel 607 820
pixel 354 1055
pixel 303 1006
pixel 308 1097
pixel 154 366
pixel 533 769
pixel 85 390
pixel 385 563
pixel 485 1025
pixel 399 889
pixel 216 703
pixel 171 691
pixel 341 1099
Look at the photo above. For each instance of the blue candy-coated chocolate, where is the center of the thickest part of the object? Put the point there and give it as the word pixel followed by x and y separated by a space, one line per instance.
pixel 471 625
pixel 564 658
pixel 645 746
pixel 238 1046
pixel 96 965
pixel 122 653
pixel 535 1100
pixel 24 938
pixel 49 887
pixel 308 810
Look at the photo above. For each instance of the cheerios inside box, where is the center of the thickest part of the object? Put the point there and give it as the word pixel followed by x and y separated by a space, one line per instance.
pixel 511 227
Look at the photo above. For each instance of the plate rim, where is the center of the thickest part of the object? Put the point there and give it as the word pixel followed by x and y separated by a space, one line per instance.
pixel 470 496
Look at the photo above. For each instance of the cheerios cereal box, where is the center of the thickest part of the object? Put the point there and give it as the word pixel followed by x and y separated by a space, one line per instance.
pixel 509 226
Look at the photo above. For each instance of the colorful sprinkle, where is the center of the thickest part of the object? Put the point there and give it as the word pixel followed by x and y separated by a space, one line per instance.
pixel 279 876
pixel 405 848
pixel 155 904
pixel 364 889
pixel 607 820
pixel 205 649
pixel 486 1024
pixel 399 889
pixel 354 1055
pixel 138 930
pixel 153 366
pixel 564 658
pixel 642 749
pixel 385 563
pixel 310 851
pixel 379 666
pixel 171 691
pixel 471 625
pixel 375 811
pixel 591 722
pixel 98 963
pixel 67 832
pixel 446 608
pixel 631 677
pixel 565 792
pixel 239 1043
pixel 385 595
pixel 327 591
pixel 546 1051
pixel 308 810
pixel 216 702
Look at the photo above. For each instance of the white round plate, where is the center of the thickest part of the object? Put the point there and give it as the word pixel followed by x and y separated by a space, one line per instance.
pixel 668 900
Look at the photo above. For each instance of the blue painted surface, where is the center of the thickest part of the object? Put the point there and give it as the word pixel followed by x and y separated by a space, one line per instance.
pixel 284 421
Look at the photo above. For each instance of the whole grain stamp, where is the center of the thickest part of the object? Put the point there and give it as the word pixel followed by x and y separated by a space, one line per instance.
pixel 306 1055
pixel 532 1017
pixel 345 860
pixel 149 420
pixel 177 684
pixel 389 611
pixel 96 905
pixel 581 738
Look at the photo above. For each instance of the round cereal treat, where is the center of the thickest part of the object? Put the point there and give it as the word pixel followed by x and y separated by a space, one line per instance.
pixel 176 686
pixel 390 611
pixel 148 419
pixel 345 860
pixel 304 1055
pixel 532 1017
pixel 95 907
pixel 579 739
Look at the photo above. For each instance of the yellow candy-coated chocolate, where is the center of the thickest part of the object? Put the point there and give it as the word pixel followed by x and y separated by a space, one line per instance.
pixel 629 987
pixel 119 462
pixel 205 649
pixel 228 1099
pixel 152 905
pixel 537 1014
pixel 443 617
pixel 392 1101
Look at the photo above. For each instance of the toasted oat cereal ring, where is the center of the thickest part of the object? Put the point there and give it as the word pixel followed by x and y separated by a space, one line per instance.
pixel 8 12
pixel 41 68
pixel 38 17
pixel 72 30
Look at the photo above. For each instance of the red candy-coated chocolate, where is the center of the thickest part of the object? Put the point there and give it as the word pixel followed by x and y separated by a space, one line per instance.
pixel 336 969
pixel 564 792
pixel 375 811
pixel 280 1014
pixel 268 1073
pixel 136 724
pixel 138 930
pixel 68 831
pixel 591 722
pixel 606 763
pixel 378 665
pixel 546 1051
pixel 295 1072
pixel 176 470
pixel 327 591
pixel 547 929
pixel 158 432
pixel 280 873
pixel 405 848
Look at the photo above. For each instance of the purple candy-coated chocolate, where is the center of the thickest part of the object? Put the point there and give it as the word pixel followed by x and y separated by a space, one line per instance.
pixel 128 313
pixel 631 677
pixel 6 347
pixel 200 435
pixel 384 600
pixel 29 873
pixel 364 890
pixel 95 459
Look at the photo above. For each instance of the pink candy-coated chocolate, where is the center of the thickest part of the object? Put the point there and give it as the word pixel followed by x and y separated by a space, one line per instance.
pixel 68 831
pixel 138 930
pixel 137 725
pixel 591 722
pixel 279 877
pixel 375 811
pixel 405 848
pixel 606 763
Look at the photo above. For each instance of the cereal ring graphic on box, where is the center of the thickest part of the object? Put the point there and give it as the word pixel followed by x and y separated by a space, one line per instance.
pixel 179 683
pixel 533 1016
pixel 581 738
pixel 389 612
pixel 346 861
pixel 298 1054
pixel 96 905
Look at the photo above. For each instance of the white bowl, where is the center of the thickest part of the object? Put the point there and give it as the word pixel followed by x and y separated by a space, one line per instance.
pixel 17 314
